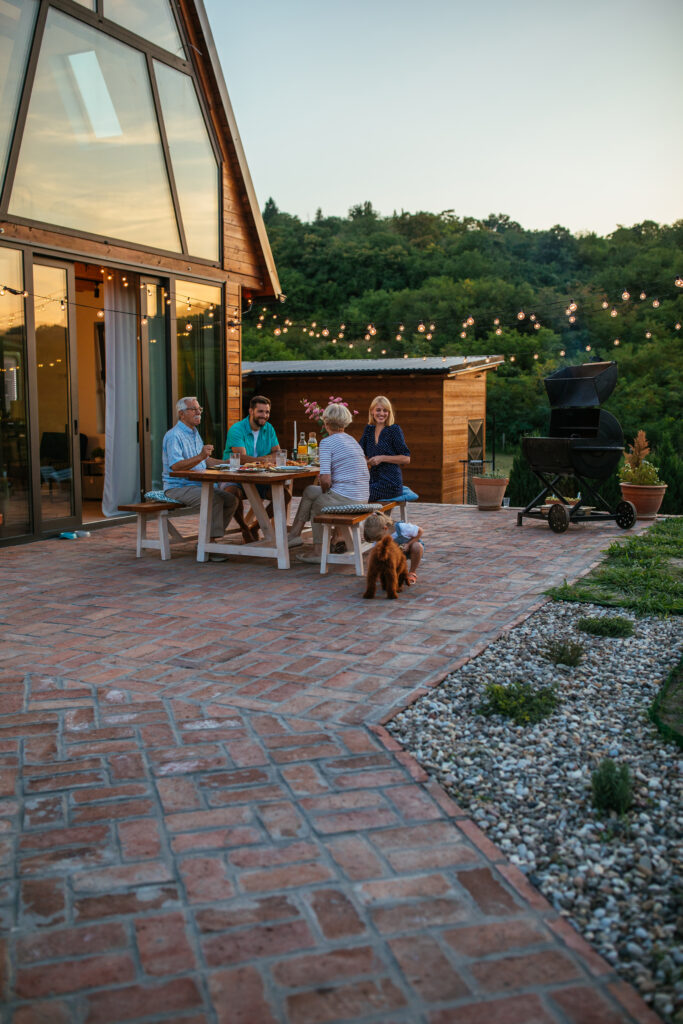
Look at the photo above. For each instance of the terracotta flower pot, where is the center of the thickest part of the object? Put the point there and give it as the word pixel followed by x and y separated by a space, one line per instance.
pixel 647 498
pixel 489 491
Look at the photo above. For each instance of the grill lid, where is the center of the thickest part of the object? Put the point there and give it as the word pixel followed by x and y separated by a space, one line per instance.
pixel 584 386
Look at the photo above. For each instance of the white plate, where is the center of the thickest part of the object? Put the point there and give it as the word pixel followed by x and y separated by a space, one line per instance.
pixel 289 469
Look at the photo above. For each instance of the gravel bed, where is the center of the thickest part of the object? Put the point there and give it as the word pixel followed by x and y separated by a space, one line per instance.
pixel 619 881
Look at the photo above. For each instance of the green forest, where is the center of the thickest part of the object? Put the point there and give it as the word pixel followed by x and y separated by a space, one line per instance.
pixel 419 284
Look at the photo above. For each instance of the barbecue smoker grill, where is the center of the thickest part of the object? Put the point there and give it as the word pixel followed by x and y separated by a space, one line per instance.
pixel 585 442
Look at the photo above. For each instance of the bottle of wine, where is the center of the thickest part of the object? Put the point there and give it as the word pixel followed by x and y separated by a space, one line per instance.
pixel 312 447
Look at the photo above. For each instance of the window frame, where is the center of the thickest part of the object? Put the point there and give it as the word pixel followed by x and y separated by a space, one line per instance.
pixel 150 52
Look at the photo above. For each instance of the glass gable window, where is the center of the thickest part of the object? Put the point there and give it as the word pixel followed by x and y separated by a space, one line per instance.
pixel 17 18
pixel 194 164
pixel 152 20
pixel 91 157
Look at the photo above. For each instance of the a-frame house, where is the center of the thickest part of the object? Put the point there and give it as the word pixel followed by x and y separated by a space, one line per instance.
pixel 131 241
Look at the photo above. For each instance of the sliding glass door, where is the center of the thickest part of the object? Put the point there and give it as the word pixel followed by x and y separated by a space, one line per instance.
pixel 55 414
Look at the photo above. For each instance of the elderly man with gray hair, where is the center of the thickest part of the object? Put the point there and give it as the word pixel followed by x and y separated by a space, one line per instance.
pixel 183 449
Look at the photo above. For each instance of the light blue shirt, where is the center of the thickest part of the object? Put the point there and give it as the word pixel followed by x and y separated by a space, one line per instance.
pixel 180 442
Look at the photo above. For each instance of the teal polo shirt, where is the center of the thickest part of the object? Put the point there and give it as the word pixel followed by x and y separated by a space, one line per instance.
pixel 240 436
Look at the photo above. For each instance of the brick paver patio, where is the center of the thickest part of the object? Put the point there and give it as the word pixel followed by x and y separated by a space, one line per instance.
pixel 203 819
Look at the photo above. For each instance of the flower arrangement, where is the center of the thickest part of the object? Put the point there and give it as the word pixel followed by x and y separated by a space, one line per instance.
pixel 636 468
pixel 315 411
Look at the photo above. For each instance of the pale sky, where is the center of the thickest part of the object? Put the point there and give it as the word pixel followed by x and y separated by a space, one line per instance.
pixel 551 111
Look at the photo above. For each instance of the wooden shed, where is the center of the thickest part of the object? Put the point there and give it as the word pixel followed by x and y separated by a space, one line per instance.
pixel 440 403
pixel 130 242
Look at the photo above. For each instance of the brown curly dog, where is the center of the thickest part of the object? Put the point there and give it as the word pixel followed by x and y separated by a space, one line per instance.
pixel 387 562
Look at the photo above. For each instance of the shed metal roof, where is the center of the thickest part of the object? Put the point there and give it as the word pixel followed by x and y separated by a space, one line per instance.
pixel 445 365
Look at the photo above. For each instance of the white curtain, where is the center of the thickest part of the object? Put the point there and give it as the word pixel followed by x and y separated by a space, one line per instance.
pixel 121 446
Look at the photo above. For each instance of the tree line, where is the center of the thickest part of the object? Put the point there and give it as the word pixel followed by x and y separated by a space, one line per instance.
pixel 445 269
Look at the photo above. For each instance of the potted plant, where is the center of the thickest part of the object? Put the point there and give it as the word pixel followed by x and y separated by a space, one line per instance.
pixel 490 488
pixel 639 480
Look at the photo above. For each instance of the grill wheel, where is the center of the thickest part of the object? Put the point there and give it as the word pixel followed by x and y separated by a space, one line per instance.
pixel 558 518
pixel 625 515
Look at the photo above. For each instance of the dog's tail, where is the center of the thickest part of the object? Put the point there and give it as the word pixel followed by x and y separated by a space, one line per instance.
pixel 383 545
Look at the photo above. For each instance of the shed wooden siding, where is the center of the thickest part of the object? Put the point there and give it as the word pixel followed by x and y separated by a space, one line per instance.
pixel 431 410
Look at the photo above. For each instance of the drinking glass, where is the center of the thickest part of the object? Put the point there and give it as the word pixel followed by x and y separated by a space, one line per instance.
pixel 234 462
pixel 281 458
pixel 506 503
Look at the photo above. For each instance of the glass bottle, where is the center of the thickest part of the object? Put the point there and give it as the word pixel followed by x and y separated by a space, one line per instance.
pixel 302 448
pixel 312 447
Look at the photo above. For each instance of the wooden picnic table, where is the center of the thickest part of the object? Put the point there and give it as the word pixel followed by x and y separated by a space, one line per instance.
pixel 274 544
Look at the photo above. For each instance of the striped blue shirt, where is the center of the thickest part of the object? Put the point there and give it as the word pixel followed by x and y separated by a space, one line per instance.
pixel 342 459
pixel 180 443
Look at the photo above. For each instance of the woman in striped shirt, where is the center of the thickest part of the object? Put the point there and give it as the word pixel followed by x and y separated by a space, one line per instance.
pixel 344 478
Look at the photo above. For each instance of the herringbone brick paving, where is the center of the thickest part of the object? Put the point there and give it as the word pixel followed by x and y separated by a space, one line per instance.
pixel 202 818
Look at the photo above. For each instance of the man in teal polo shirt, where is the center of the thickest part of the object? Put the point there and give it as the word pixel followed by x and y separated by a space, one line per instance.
pixel 254 440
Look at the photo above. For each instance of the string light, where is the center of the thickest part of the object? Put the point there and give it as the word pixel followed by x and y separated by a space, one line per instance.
pixel 562 352
pixel 655 303
pixel 588 348
pixel 642 296
pixel 521 314
pixel 648 335
pixel 679 281
pixel 613 312
pixel 604 304
pixel 616 341
pixel 421 327
pixel 626 295
pixel 432 327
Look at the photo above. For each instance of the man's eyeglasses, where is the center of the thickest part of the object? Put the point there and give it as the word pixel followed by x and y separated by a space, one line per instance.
pixel 194 409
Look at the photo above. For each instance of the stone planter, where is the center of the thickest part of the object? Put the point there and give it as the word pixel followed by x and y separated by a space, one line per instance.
pixel 489 491
pixel 647 498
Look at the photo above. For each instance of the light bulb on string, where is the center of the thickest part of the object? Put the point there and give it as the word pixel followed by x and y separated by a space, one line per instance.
pixel 588 348
pixel 398 337
pixel 470 321
pixel 100 314
pixel 532 317
pixel 367 337
pixel 604 304
pixel 432 327
pixel 317 334
pixel 499 331
pixel 512 359
pixel 350 344
pixel 679 281
pixel 314 325
pixel 616 341
pixel 384 351
pixel 277 332
pixel 537 327
pixel 648 334
pixel 521 314
pixel 496 322
pixel 401 328
pixel 341 335
pixel 334 341
pixel 573 307
pixel 405 355
pixel 285 329
pixel 463 334
pixel 626 295
pixel 325 332
pixel 342 327
pixel 369 348
pixel 643 295
pixel 259 326
pixel 428 336
pixel 144 321
pixel 421 327
pixel 562 352
pixel 311 334
pixel 655 303
pixel 613 312
pixel 535 355
pixel 571 319
pixel 188 326
pixel 677 327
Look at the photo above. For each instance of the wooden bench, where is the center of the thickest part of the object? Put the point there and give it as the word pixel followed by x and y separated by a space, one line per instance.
pixel 166 531
pixel 349 526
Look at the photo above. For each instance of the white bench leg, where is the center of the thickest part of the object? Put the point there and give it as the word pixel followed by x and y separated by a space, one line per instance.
pixel 164 541
pixel 357 548
pixel 325 548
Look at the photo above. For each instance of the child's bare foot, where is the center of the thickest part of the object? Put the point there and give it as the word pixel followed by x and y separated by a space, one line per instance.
pixel 412 579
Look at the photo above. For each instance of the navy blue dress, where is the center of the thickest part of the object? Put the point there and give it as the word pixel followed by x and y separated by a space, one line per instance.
pixel 386 480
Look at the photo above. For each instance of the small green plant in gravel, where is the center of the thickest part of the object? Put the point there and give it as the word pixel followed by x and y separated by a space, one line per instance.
pixel 612 625
pixel 564 653
pixel 612 787
pixel 520 701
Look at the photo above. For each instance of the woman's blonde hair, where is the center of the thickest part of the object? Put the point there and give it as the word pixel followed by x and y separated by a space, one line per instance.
pixel 338 415
pixel 381 400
